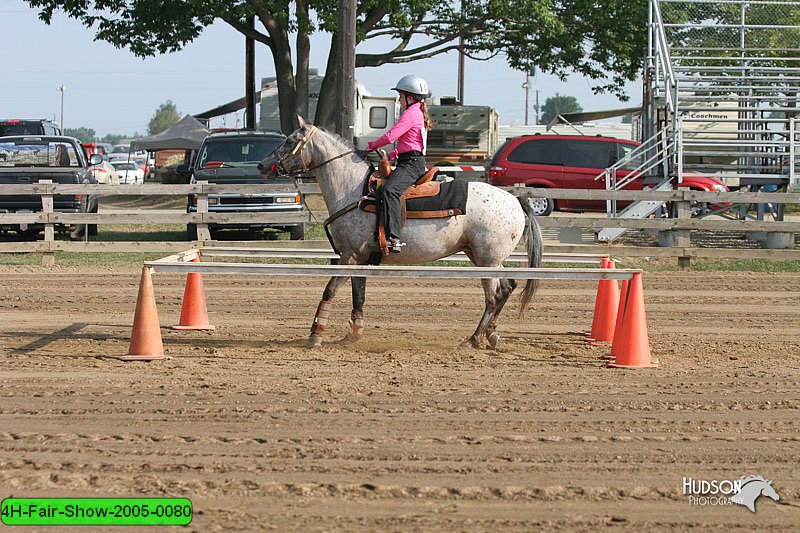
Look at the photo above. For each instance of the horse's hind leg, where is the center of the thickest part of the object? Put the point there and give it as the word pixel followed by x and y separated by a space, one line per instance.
pixel 490 291
pixel 504 290
pixel 357 315
pixel 323 311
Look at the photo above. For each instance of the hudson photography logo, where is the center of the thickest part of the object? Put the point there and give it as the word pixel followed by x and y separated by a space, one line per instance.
pixel 743 491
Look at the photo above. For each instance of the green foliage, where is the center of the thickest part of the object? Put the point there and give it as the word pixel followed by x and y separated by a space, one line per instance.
pixel 603 41
pixel 113 138
pixel 164 118
pixel 84 134
pixel 558 105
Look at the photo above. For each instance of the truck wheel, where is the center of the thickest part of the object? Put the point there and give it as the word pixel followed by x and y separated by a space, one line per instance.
pixel 541 207
pixel 297 233
pixel 191 232
pixel 77 233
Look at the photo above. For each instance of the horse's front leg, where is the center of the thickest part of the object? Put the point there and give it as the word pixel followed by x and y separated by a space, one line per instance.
pixel 357 315
pixel 323 311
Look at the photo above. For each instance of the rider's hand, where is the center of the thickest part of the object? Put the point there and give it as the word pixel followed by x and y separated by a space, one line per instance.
pixel 372 146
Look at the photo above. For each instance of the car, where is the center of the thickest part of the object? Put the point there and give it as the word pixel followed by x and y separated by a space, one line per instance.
pixel 232 157
pixel 29 159
pixel 572 162
pixel 38 126
pixel 105 173
pixel 129 172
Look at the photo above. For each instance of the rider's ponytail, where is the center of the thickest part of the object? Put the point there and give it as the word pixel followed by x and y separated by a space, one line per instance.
pixel 429 123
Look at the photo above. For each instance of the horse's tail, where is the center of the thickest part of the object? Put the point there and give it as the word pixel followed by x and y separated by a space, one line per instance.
pixel 533 238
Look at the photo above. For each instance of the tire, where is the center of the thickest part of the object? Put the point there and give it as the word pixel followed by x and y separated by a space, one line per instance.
pixel 541 207
pixel 92 230
pixel 191 232
pixel 77 233
pixel 297 233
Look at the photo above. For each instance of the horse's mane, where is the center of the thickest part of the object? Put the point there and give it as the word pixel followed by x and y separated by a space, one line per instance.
pixel 748 479
pixel 337 138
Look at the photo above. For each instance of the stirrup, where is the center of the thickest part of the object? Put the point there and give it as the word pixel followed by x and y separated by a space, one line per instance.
pixel 395 246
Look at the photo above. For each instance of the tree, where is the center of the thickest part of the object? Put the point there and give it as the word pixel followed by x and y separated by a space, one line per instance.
pixel 164 118
pixel 601 40
pixel 84 134
pixel 558 105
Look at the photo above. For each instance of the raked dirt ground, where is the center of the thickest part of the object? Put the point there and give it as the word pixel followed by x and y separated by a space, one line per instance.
pixel 405 431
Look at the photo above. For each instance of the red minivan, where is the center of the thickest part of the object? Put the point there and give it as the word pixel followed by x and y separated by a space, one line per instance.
pixel 571 162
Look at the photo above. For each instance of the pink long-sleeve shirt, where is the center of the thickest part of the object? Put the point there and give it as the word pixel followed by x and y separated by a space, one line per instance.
pixel 409 132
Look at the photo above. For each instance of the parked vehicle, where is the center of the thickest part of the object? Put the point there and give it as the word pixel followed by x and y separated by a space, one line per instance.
pixel 38 126
pixel 29 159
pixel 105 174
pixel 572 162
pixel 129 172
pixel 232 157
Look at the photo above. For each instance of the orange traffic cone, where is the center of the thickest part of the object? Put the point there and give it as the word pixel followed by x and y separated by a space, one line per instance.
pixel 194 314
pixel 146 342
pixel 605 309
pixel 603 264
pixel 623 298
pixel 633 350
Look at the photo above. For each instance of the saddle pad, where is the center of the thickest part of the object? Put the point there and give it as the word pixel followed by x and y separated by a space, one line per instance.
pixel 451 200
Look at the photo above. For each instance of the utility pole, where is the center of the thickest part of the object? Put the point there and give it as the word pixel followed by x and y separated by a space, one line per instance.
pixel 61 89
pixel 536 107
pixel 346 75
pixel 461 70
pixel 250 78
pixel 527 87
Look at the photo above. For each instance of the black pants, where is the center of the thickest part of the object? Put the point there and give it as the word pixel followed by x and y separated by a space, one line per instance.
pixel 407 171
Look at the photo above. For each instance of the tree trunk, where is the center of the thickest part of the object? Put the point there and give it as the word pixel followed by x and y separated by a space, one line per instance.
pixel 282 58
pixel 303 53
pixel 326 105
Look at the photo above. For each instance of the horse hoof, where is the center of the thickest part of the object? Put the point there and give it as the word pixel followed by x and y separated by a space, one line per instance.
pixel 314 341
pixel 494 339
pixel 350 339
pixel 471 343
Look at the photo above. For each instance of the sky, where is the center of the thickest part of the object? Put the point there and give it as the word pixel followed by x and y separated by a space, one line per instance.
pixel 113 92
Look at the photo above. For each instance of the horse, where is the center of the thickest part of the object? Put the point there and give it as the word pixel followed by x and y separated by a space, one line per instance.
pixel 488 232
pixel 752 488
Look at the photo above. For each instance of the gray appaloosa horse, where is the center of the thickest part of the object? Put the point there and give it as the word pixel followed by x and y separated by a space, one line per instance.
pixel 487 233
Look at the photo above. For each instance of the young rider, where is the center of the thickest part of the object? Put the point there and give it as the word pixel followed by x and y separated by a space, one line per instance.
pixel 411 134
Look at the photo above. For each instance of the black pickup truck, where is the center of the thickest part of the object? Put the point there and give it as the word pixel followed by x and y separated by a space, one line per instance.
pixel 232 157
pixel 30 159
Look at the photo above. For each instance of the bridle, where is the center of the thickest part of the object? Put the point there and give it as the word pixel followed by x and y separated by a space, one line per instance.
pixel 279 168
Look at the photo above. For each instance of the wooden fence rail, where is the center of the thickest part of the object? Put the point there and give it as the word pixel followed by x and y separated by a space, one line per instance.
pixel 679 226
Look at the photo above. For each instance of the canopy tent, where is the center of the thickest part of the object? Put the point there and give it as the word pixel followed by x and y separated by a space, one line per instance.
pixel 187 134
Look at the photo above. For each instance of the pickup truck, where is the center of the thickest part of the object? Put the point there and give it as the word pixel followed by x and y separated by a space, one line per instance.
pixel 29 159
pixel 232 157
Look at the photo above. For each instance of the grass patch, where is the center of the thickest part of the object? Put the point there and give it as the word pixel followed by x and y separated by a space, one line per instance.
pixel 714 265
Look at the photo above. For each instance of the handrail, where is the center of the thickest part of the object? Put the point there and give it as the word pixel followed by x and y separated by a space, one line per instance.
pixel 661 53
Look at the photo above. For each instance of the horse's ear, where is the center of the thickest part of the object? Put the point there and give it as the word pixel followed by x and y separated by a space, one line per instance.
pixel 303 123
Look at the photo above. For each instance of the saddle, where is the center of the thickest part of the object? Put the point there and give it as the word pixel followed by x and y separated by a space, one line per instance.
pixel 425 199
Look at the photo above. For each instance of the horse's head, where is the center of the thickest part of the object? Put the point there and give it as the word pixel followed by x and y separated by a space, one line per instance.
pixel 769 492
pixel 290 157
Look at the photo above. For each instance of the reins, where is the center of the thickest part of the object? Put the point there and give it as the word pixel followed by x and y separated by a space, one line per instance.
pixel 294 173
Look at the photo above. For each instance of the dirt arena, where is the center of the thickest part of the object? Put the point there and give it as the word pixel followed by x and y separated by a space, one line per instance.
pixel 404 431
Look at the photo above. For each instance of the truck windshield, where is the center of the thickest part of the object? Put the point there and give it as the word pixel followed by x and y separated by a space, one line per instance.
pixel 235 152
pixel 37 153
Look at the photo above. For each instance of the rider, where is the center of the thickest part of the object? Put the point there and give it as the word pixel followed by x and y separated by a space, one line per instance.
pixel 411 134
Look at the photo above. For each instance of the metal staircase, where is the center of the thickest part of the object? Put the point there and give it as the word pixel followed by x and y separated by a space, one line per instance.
pixel 722 82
